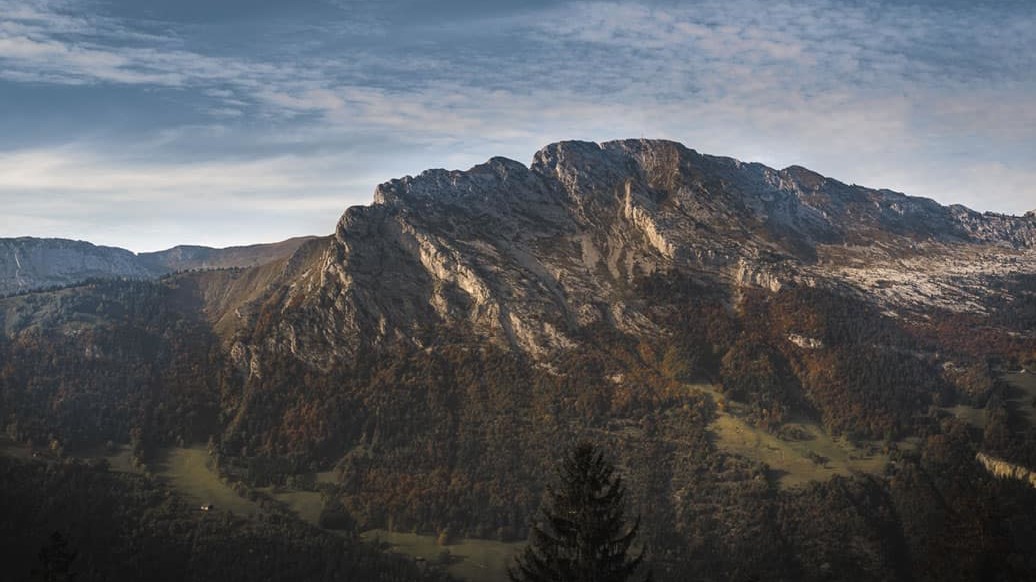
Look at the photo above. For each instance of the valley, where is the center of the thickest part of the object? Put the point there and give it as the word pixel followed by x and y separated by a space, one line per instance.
pixel 190 474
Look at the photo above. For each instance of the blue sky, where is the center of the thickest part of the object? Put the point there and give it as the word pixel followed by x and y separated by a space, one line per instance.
pixel 148 123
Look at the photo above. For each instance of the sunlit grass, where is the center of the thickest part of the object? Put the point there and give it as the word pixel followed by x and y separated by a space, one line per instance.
pixel 817 457
pixel 473 560
pixel 187 471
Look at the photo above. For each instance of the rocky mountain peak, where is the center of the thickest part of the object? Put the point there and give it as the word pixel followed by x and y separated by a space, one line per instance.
pixel 581 166
pixel 806 179
pixel 493 181
pixel 527 254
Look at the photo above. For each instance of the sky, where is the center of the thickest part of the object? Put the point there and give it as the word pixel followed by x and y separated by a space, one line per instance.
pixel 150 123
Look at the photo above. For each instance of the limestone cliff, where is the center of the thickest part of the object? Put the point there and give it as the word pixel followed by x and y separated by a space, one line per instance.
pixel 529 255
pixel 1004 470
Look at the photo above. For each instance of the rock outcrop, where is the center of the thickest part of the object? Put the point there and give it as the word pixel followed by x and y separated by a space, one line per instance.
pixel 1004 470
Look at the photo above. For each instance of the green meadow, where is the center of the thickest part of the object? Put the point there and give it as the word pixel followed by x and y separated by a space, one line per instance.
pixel 814 455
pixel 474 560
pixel 187 470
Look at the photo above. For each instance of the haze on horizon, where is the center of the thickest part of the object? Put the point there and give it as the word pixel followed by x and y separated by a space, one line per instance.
pixel 149 123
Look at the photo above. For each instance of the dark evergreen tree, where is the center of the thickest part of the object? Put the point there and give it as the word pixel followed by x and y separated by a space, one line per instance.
pixel 582 535
pixel 55 561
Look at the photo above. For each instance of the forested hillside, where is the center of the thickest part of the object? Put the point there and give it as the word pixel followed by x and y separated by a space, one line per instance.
pixel 65 521
pixel 794 375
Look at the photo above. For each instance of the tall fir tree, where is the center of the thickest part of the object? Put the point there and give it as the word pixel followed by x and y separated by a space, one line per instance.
pixel 582 535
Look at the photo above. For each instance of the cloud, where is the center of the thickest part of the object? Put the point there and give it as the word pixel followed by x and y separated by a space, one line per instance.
pixel 74 172
pixel 57 42
pixel 70 192
pixel 832 42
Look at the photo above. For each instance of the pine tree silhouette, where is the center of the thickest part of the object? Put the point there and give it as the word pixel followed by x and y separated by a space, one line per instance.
pixel 582 536
pixel 55 561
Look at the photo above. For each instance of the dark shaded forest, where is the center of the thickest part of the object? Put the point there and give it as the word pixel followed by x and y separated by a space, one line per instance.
pixel 460 435
pixel 65 521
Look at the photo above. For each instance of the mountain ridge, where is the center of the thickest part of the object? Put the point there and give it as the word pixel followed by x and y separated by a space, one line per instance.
pixel 668 206
pixel 31 263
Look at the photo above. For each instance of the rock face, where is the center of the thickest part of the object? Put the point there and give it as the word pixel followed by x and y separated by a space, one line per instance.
pixel 33 263
pixel 527 256
pixel 1004 470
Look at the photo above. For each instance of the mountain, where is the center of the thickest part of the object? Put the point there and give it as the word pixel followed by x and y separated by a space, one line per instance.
pixel 32 263
pixel 187 257
pixel 527 257
pixel 28 263
pixel 795 375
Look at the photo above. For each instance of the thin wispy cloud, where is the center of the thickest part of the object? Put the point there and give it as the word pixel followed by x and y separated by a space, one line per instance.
pixel 46 191
pixel 42 43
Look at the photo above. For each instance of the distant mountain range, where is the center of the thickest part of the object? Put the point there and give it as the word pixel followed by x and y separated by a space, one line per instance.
pixel 795 375
pixel 28 263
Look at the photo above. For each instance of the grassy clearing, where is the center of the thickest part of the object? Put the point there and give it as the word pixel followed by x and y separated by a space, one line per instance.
pixel 796 462
pixel 814 456
pixel 305 504
pixel 13 449
pixel 976 417
pixel 1019 400
pixel 119 457
pixel 1023 394
pixel 474 560
pixel 188 472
